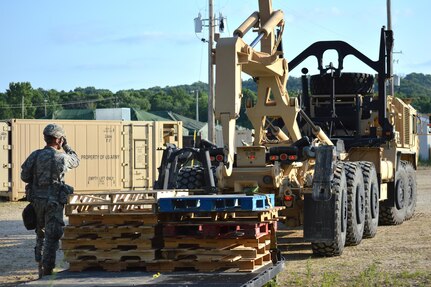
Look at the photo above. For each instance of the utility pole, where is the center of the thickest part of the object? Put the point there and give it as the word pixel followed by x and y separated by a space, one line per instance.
pixel 390 55
pixel 196 92
pixel 211 98
pixel 45 100
pixel 197 105
pixel 22 106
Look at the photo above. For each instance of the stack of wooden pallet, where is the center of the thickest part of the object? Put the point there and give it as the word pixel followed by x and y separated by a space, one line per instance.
pixel 165 231
pixel 214 233
pixel 113 231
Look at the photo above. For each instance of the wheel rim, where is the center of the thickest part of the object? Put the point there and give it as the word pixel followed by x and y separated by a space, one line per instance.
pixel 360 205
pixel 400 194
pixel 374 202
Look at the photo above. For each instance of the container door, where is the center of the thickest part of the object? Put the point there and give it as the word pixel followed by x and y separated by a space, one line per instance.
pixel 126 148
pixel 4 159
pixel 142 135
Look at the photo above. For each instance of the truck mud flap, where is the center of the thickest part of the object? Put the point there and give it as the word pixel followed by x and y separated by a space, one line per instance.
pixel 323 172
pixel 319 219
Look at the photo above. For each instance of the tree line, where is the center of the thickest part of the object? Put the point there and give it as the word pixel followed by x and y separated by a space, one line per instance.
pixel 21 100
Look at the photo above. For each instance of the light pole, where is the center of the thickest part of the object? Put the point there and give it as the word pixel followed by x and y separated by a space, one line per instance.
pixel 45 100
pixel 197 103
pixel 211 98
pixel 212 22
pixel 22 106
pixel 390 56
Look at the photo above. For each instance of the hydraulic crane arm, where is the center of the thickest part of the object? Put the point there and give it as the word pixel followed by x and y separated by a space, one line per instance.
pixel 234 56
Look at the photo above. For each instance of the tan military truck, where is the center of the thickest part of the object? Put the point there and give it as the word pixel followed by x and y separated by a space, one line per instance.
pixel 341 157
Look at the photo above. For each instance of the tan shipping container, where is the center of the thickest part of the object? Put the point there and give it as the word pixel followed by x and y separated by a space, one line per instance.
pixel 114 155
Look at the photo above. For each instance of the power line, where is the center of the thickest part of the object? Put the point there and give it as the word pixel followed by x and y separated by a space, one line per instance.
pixel 52 105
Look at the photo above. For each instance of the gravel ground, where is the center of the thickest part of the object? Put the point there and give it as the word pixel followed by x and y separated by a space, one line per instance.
pixel 401 252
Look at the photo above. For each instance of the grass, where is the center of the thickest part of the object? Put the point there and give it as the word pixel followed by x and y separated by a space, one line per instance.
pixel 424 162
pixel 370 276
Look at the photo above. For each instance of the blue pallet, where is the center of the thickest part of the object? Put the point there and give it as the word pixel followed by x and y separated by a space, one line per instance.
pixel 208 203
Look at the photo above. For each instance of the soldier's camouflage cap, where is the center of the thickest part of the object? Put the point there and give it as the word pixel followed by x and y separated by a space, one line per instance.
pixel 54 130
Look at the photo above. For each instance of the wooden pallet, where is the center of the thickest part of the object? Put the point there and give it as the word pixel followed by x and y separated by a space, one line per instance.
pixel 113 255
pixel 109 231
pixel 222 229
pixel 192 242
pixel 113 219
pixel 232 263
pixel 118 202
pixel 103 244
pixel 109 265
pixel 259 216
pixel 196 253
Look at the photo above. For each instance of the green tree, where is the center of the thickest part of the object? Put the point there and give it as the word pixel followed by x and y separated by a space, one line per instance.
pixel 161 101
pixel 133 99
pixel 17 95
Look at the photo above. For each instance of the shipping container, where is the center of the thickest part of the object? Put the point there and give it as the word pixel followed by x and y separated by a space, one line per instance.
pixel 114 155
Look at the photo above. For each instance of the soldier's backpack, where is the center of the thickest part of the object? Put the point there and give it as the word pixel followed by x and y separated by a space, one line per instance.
pixel 29 217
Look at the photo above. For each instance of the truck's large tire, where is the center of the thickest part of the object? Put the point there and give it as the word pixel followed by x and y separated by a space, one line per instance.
pixel 394 212
pixel 355 203
pixel 347 83
pixel 191 177
pixel 339 190
pixel 371 187
pixel 412 190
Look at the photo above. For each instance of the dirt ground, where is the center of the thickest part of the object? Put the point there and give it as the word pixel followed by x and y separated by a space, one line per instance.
pixel 397 256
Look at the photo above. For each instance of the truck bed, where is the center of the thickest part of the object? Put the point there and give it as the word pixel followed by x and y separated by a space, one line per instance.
pixel 136 278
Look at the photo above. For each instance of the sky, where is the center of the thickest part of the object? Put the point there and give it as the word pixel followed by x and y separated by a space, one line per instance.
pixel 135 44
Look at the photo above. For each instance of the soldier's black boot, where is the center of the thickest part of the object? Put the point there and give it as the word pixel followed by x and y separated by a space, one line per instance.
pixel 40 269
pixel 47 270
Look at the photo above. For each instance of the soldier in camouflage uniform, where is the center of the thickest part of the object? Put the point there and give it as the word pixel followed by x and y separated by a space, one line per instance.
pixel 44 172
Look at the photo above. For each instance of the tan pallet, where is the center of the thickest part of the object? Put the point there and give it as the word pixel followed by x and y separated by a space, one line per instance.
pixel 192 242
pixel 109 231
pixel 118 202
pixel 114 255
pixel 113 219
pixel 232 263
pixel 110 266
pixel 239 250
pixel 124 243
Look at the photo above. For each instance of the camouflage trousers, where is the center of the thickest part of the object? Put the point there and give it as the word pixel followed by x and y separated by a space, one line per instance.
pixel 49 230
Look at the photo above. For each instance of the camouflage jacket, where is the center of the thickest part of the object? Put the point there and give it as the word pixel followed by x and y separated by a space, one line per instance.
pixel 41 172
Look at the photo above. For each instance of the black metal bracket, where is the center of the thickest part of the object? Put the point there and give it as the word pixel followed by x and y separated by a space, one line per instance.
pixel 381 66
pixel 172 160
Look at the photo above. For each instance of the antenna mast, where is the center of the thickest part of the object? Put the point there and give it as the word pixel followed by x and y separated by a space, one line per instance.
pixel 390 54
pixel 211 100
